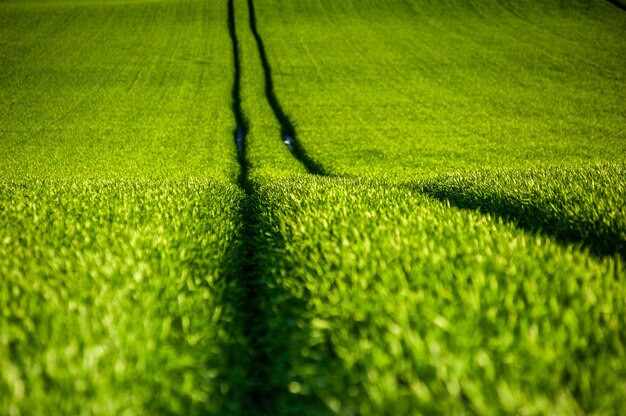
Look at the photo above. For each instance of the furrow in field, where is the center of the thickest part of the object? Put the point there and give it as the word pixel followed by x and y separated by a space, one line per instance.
pixel 263 152
pixel 257 393
pixel 241 128
pixel 266 372
pixel 288 131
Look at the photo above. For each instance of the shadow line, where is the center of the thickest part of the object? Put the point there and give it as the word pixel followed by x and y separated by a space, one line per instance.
pixel 242 123
pixel 288 131
pixel 618 4
pixel 257 395
pixel 595 236
pixel 268 314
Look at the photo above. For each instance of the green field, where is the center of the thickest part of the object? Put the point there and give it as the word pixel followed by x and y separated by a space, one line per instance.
pixel 312 207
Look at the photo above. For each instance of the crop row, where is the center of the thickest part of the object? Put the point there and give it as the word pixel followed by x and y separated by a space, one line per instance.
pixel 383 301
pixel 119 296
pixel 144 271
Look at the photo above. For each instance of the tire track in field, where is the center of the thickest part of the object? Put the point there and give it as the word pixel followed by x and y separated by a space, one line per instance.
pixel 242 123
pixel 288 131
pixel 255 323
pixel 264 373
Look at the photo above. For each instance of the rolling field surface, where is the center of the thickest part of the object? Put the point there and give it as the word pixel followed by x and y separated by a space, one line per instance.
pixel 422 308
pixel 119 210
pixel 116 89
pixel 414 88
pixel 434 104
pixel 314 207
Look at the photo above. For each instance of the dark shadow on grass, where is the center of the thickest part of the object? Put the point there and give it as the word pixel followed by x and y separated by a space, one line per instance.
pixel 267 314
pixel 274 320
pixel 618 4
pixel 288 131
pixel 240 119
pixel 597 237
pixel 258 395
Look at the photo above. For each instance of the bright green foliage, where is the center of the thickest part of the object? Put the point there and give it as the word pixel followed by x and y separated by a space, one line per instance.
pixel 382 300
pixel 115 297
pixel 416 88
pixel 469 143
pixel 116 89
pixel 119 212
pixel 576 204
pixel 385 302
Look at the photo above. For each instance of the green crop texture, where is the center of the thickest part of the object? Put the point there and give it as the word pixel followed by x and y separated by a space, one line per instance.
pixel 395 88
pixel 115 89
pixel 422 308
pixel 355 207
pixel 482 302
pixel 114 296
pixel 119 209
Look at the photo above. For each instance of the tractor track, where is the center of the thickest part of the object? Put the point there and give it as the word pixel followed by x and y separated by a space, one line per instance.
pixel 288 131
pixel 258 394
pixel 265 389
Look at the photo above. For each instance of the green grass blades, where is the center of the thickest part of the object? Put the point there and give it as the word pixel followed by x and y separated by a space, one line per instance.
pixel 383 301
pixel 102 89
pixel 446 235
pixel 583 204
pixel 120 219
pixel 416 88
pixel 118 297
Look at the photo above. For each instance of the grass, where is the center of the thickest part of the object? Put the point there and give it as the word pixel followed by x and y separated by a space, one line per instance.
pixel 265 150
pixel 386 302
pixel 389 302
pixel 447 237
pixel 414 89
pixel 118 298
pixel 115 89
pixel 582 203
pixel 120 214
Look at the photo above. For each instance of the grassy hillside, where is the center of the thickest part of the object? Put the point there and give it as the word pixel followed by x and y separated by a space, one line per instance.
pixel 397 89
pixel 381 300
pixel 119 209
pixel 445 232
